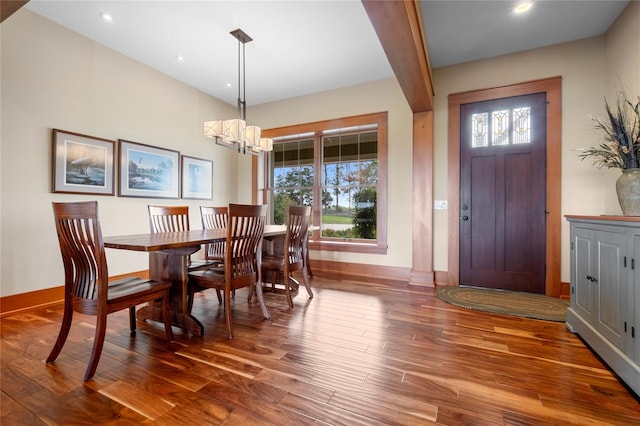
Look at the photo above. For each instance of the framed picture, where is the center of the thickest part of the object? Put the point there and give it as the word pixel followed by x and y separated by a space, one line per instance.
pixel 197 178
pixel 148 171
pixel 82 164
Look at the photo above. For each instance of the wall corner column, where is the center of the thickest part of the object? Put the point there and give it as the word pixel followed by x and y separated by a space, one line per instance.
pixel 422 211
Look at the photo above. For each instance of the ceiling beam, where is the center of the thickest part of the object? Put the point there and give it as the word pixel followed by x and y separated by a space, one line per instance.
pixel 399 27
pixel 8 7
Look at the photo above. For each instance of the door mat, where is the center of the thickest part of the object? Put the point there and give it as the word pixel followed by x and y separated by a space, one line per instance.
pixel 514 303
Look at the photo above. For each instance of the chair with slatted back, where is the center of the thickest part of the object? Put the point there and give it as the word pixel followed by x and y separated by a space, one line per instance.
pixel 176 219
pixel 214 218
pixel 245 228
pixel 87 289
pixel 291 257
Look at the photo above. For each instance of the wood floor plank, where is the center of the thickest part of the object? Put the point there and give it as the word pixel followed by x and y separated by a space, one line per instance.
pixel 388 410
pixel 326 413
pixel 12 413
pixel 146 403
pixel 361 352
pixel 79 407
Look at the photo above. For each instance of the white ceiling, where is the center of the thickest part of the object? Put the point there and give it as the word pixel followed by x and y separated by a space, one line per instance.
pixel 308 46
pixel 462 31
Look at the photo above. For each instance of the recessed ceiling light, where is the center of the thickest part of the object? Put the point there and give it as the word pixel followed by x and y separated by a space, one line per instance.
pixel 106 16
pixel 522 8
pixel 179 58
pixel 228 85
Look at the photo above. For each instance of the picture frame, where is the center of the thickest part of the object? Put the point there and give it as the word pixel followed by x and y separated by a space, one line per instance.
pixel 148 171
pixel 82 164
pixel 197 178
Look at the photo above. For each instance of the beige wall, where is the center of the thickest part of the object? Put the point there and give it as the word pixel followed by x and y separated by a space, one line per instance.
pixel 623 53
pixel 54 78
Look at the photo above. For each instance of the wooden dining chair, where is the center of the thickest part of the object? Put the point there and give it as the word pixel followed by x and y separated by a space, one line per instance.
pixel 291 257
pixel 176 219
pixel 214 218
pixel 87 289
pixel 245 228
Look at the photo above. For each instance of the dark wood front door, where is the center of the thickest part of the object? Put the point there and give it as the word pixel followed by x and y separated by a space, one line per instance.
pixel 502 193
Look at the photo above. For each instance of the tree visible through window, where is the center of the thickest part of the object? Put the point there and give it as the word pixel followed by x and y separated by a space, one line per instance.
pixel 339 171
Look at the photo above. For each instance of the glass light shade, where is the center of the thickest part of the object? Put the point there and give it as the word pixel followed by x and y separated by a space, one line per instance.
pixel 234 130
pixel 213 129
pixel 252 136
pixel 266 144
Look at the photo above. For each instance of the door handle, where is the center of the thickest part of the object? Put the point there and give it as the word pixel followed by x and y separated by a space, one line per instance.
pixel 465 218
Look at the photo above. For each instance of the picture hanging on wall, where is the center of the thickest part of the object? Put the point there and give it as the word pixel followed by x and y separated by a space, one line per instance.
pixel 148 171
pixel 82 164
pixel 197 178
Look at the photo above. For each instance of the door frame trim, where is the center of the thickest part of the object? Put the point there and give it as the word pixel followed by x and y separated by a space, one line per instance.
pixel 553 89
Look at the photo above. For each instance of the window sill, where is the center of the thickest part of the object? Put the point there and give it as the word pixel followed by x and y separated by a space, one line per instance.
pixel 347 246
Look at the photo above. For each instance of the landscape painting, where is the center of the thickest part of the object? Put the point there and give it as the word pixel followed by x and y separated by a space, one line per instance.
pixel 148 171
pixel 82 164
pixel 197 178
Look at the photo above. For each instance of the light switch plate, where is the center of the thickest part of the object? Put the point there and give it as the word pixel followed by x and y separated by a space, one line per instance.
pixel 440 204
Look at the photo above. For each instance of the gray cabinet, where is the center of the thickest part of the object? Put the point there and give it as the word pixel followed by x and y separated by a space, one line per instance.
pixel 605 290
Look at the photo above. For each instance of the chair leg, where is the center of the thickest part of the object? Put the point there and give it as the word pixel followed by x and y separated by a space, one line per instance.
pixel 132 320
pixel 190 295
pixel 166 316
pixel 263 306
pixel 305 279
pixel 250 293
pixel 287 288
pixel 307 265
pixel 219 296
pixel 98 342
pixel 63 334
pixel 227 311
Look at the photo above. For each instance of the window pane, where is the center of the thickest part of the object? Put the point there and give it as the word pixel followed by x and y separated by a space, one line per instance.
pixel 349 179
pixel 479 130
pixel 522 125
pixel 336 220
pixel 290 197
pixel 293 176
pixel 500 127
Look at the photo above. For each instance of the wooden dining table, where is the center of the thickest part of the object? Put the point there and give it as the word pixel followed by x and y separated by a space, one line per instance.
pixel 169 260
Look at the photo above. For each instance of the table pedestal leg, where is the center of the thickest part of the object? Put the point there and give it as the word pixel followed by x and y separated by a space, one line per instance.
pixel 186 322
pixel 172 266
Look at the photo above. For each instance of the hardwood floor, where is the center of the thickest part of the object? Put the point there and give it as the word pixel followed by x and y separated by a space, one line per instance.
pixel 358 353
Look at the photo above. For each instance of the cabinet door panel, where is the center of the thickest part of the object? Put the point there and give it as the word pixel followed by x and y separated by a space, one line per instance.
pixel 612 286
pixel 583 295
pixel 634 303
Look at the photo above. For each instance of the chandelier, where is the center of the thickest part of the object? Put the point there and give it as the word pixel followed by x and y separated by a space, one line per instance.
pixel 234 133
